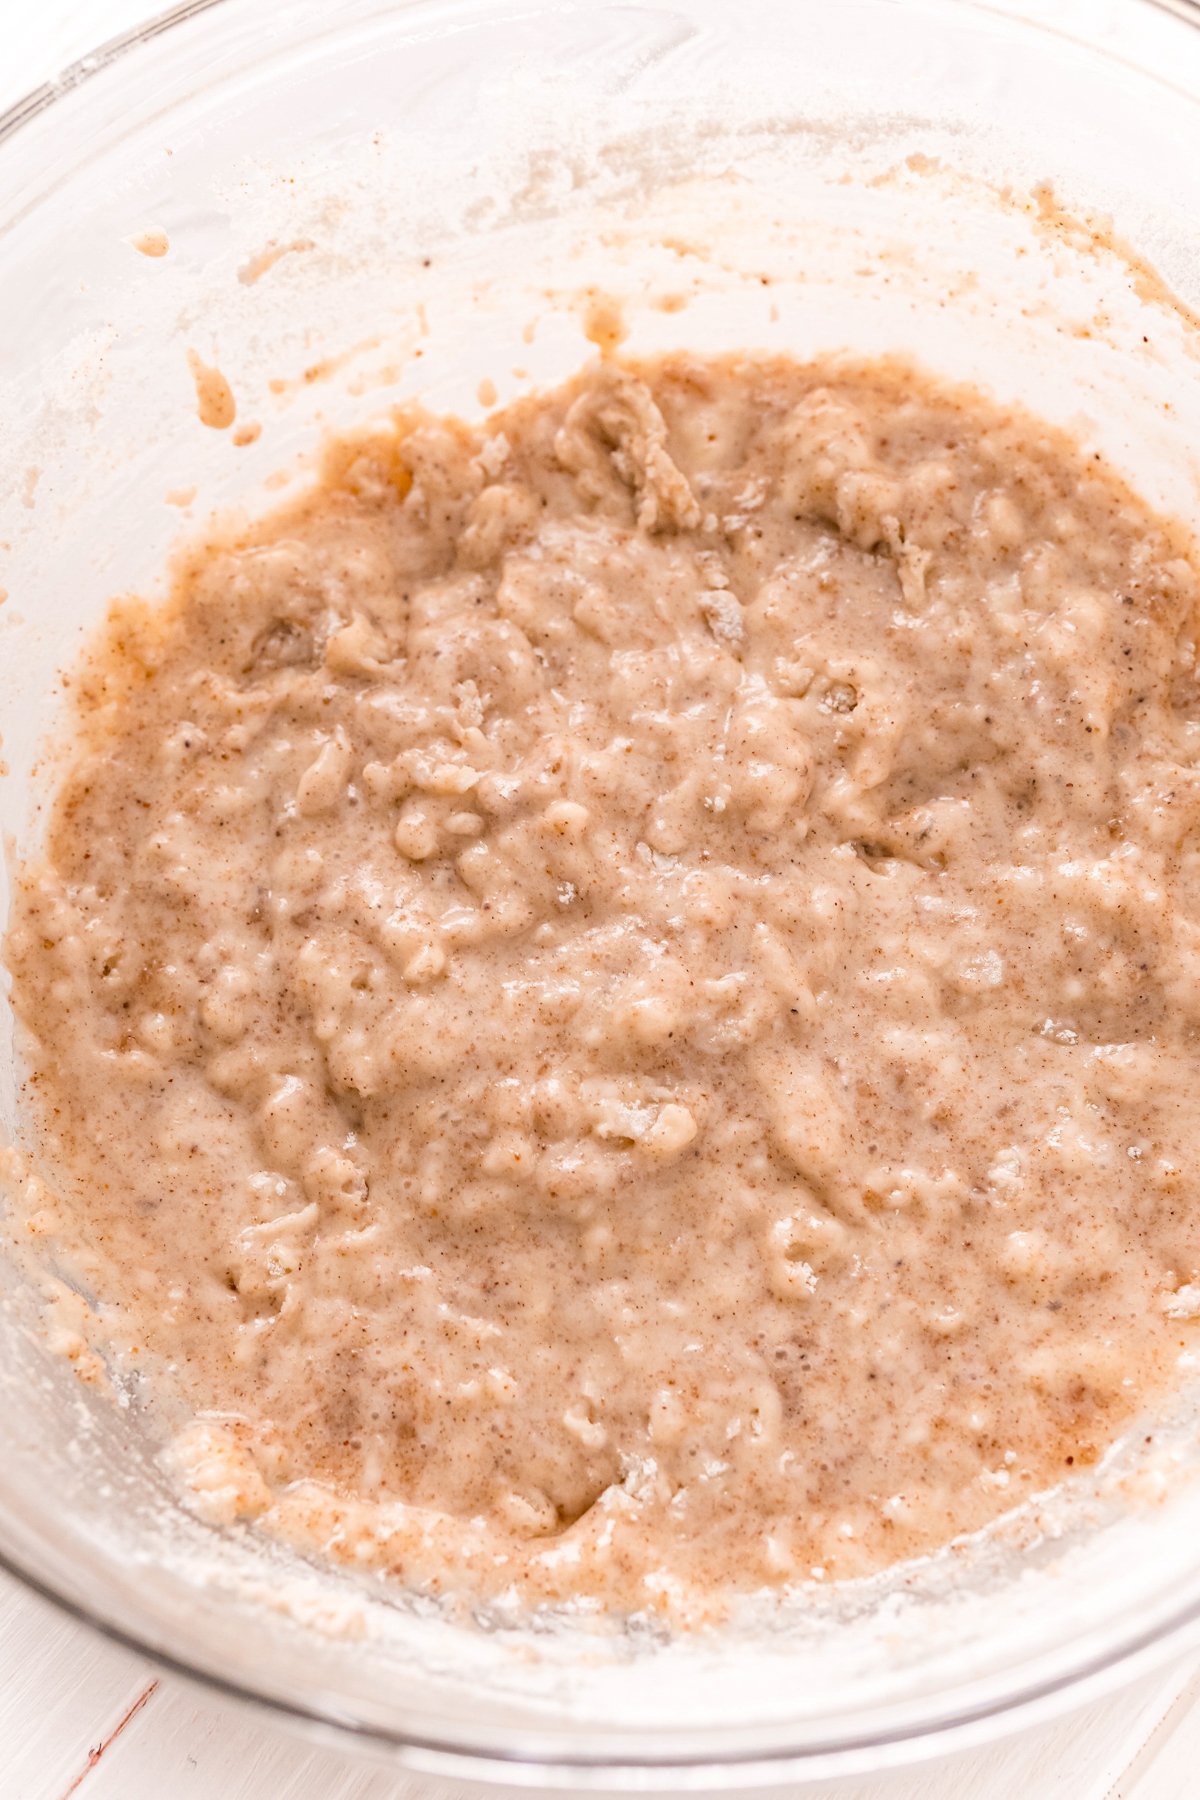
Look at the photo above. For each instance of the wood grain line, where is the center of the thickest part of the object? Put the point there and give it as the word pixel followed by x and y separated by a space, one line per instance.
pixel 1140 1765
pixel 147 1693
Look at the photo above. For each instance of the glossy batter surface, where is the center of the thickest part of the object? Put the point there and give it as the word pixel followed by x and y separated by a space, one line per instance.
pixel 612 1000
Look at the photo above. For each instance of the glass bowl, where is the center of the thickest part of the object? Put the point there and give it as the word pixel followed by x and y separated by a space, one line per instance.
pixel 340 207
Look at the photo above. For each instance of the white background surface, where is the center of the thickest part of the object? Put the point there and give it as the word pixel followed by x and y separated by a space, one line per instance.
pixel 79 1717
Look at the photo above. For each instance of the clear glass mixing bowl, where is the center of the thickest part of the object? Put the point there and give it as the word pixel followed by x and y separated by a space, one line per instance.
pixel 380 200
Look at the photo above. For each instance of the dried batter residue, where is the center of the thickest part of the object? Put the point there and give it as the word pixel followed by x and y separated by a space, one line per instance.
pixel 257 266
pixel 214 396
pixel 153 242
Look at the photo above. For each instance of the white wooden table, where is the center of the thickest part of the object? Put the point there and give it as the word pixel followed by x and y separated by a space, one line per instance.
pixel 79 1717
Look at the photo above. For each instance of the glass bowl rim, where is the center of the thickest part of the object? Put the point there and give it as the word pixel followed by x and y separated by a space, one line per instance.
pixel 526 1761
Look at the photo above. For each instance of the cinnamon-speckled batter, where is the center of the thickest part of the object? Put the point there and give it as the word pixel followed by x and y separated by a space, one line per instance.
pixel 612 999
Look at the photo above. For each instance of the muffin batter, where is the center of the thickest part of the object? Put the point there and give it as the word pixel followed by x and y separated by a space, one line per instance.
pixel 611 1000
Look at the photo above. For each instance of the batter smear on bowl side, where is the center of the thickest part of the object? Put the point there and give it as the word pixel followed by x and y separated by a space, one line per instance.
pixel 611 999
